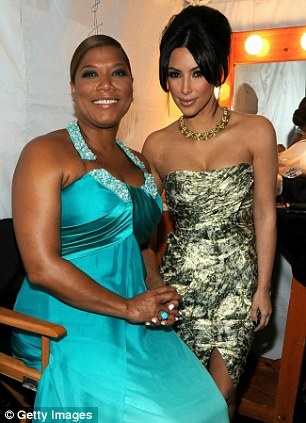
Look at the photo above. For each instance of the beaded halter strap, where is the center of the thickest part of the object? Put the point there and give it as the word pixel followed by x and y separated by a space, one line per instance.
pixel 204 135
pixel 103 176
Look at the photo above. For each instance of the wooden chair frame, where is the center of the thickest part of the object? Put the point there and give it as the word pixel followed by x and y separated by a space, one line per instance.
pixel 16 369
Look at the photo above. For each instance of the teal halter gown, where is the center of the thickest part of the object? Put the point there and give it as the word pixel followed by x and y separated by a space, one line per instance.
pixel 121 372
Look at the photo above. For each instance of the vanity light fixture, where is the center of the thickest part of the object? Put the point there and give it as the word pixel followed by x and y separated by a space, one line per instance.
pixel 257 45
pixel 275 45
pixel 303 41
pixel 222 93
pixel 254 44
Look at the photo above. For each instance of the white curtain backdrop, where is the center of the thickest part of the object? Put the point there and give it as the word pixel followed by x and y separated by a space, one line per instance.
pixel 37 40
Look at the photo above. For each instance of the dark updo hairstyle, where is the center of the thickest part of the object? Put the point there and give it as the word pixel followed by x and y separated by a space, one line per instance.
pixel 206 33
pixel 93 42
pixel 299 116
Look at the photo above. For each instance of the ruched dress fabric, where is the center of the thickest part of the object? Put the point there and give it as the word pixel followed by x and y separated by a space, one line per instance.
pixel 127 373
pixel 211 260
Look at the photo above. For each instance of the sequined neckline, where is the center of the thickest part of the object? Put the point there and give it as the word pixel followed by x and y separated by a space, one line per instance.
pixel 102 175
pixel 86 153
pixel 79 142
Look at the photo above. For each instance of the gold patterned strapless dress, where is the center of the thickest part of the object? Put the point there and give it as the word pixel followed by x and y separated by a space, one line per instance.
pixel 211 260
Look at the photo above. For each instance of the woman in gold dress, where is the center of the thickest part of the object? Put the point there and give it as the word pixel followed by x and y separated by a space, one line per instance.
pixel 218 169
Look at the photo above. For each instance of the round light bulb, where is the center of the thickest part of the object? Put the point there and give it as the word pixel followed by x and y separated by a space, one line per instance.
pixel 222 93
pixel 254 44
pixel 303 41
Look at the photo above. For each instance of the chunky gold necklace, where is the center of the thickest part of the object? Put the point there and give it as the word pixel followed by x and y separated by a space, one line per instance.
pixel 205 135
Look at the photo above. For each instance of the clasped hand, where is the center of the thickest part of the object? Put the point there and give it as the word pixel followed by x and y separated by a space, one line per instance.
pixel 144 307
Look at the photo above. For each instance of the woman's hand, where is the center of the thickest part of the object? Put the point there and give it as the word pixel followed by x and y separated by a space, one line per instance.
pixel 261 309
pixel 145 307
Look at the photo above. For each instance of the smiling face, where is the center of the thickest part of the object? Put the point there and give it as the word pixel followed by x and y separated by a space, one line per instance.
pixel 188 87
pixel 103 87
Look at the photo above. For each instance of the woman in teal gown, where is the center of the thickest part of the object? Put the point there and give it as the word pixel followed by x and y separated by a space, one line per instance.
pixel 91 205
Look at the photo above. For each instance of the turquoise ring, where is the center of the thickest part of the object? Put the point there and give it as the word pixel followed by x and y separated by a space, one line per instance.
pixel 162 315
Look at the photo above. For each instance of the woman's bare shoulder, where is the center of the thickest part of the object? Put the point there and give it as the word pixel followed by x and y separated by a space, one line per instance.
pixel 251 127
pixel 49 143
pixel 157 139
pixel 45 140
pixel 46 153
pixel 252 121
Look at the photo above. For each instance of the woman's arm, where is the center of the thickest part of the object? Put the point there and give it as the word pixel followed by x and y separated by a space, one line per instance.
pixel 153 155
pixel 37 183
pixel 264 153
pixel 153 279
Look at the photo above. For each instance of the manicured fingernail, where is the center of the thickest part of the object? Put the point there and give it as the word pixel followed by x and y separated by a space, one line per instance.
pixel 171 306
pixel 154 321
pixel 176 318
pixel 147 323
pixel 163 323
